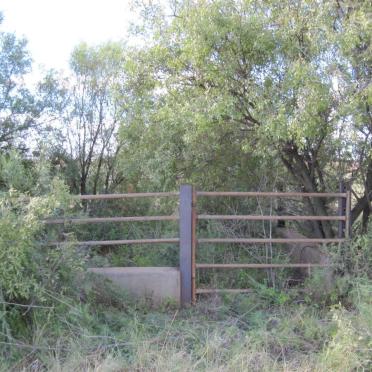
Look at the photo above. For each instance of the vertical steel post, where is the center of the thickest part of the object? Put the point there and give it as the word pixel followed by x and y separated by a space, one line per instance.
pixel 342 211
pixel 193 246
pixel 186 196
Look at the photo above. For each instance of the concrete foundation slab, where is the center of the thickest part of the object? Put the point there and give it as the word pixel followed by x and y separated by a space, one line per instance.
pixel 157 283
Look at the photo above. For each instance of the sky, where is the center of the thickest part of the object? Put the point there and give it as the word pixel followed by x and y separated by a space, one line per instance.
pixel 54 27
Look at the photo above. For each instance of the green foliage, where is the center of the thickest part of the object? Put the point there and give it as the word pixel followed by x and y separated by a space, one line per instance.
pixel 25 269
pixel 357 256
pixel 351 342
pixel 226 88
pixel 14 173
pixel 18 107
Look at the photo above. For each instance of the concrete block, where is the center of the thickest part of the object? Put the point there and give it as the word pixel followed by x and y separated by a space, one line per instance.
pixel 157 283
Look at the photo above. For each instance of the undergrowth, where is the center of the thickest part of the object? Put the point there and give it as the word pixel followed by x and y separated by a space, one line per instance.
pixel 106 331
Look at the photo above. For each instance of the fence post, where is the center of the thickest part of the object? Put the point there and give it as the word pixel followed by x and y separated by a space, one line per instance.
pixel 193 246
pixel 342 211
pixel 185 212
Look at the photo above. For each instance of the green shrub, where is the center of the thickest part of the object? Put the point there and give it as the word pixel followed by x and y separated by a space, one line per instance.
pixel 13 172
pixel 26 264
pixel 351 343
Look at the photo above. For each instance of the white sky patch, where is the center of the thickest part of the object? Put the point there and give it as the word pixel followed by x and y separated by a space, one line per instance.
pixel 54 27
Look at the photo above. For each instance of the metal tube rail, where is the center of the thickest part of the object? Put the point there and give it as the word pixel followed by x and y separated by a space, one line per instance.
pixel 267 240
pixel 125 196
pixel 109 219
pixel 274 194
pixel 257 266
pixel 227 290
pixel 118 242
pixel 270 218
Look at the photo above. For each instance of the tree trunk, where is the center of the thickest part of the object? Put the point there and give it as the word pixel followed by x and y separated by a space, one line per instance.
pixel 305 177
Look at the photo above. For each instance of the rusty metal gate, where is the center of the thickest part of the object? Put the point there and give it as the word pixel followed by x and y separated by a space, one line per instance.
pixel 188 241
pixel 343 217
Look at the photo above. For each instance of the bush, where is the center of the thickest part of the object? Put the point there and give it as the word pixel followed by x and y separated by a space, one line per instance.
pixel 27 266
pixel 351 343
pixel 30 270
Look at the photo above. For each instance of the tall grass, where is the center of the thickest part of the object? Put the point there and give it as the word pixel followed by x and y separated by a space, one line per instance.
pixel 230 333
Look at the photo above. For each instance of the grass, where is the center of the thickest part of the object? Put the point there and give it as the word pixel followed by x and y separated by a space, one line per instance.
pixel 107 332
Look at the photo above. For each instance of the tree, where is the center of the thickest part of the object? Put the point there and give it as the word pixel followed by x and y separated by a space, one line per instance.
pixel 90 106
pixel 284 80
pixel 18 107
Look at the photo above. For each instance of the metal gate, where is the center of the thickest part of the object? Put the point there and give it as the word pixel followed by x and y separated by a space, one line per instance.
pixel 189 197
pixel 188 241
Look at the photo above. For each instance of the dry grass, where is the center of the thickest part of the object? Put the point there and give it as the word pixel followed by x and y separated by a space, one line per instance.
pixel 244 333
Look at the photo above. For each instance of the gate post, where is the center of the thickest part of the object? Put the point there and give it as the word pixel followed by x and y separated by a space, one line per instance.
pixel 186 232
pixel 193 246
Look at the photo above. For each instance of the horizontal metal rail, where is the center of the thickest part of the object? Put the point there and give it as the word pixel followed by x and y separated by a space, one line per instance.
pixel 274 194
pixel 268 240
pixel 83 220
pixel 109 219
pixel 258 266
pixel 118 242
pixel 125 196
pixel 270 218
pixel 211 290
